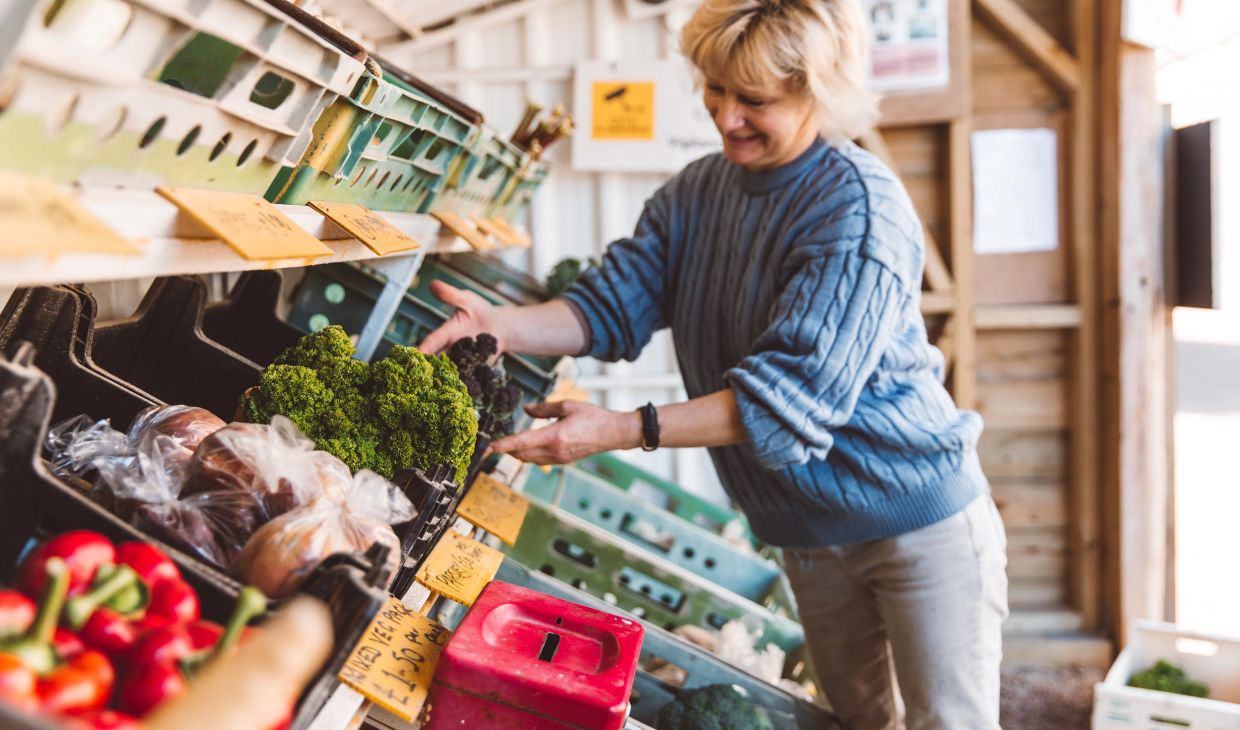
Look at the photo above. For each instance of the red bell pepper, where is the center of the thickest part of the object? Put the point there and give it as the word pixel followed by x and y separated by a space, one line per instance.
pixel 204 634
pixel 82 550
pixel 111 633
pixel 34 647
pixel 104 720
pixel 16 613
pixel 67 643
pixel 113 581
pixel 159 674
pixel 175 600
pixel 18 682
pixel 166 645
pixel 82 684
pixel 148 561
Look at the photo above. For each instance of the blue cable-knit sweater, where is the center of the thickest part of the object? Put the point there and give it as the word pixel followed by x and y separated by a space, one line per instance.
pixel 799 288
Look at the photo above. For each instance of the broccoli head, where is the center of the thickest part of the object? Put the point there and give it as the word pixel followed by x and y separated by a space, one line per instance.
pixel 408 409
pixel 1167 677
pixel 713 707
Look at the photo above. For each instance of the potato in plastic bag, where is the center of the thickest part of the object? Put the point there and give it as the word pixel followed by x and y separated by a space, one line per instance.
pixel 283 552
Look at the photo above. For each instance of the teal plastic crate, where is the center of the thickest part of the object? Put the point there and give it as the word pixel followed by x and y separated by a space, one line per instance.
pixel 658 531
pixel 701 668
pixel 506 281
pixel 478 182
pixel 386 145
pixel 595 561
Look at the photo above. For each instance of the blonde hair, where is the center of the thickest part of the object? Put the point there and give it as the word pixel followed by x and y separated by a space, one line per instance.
pixel 817 45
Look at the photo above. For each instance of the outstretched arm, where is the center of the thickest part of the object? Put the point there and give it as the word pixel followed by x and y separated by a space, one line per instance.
pixel 550 328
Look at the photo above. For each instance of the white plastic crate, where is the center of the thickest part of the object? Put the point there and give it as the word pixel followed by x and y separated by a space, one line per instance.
pixel 1211 660
pixel 85 100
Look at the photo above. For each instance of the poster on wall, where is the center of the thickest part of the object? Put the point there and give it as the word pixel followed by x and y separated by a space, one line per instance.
pixel 1015 213
pixel 639 116
pixel 908 44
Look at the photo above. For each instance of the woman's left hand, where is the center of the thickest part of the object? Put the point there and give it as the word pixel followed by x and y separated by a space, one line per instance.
pixel 583 429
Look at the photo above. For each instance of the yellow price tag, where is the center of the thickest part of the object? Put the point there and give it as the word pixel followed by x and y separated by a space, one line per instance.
pixel 251 226
pixel 395 660
pixel 459 568
pixel 464 229
pixel 37 217
pixel 502 231
pixel 495 507
pixel 363 224
pixel 623 110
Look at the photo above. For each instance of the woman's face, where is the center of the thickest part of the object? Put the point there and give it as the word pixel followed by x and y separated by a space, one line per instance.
pixel 765 130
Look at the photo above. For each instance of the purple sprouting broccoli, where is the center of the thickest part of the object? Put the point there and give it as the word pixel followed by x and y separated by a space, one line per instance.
pixel 495 397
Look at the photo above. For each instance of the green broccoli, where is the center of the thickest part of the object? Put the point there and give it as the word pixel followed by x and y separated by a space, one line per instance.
pixel 564 273
pixel 1167 677
pixel 713 707
pixel 407 409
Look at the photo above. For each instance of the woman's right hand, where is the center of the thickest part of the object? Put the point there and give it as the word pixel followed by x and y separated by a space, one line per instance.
pixel 473 316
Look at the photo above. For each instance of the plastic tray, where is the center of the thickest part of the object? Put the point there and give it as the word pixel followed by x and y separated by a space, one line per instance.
pixel 478 183
pixel 436 497
pixel 491 272
pixel 205 93
pixel 247 321
pixel 386 145
pixel 34 505
pixel 603 565
pixel 658 531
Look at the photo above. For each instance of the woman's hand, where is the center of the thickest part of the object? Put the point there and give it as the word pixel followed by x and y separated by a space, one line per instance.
pixel 583 429
pixel 473 316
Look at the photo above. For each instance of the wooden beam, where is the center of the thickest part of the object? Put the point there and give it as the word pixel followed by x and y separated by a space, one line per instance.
pixel 937 303
pixel 1012 23
pixel 960 173
pixel 405 51
pixel 947 345
pixel 1028 316
pixel 1087 574
pixel 937 276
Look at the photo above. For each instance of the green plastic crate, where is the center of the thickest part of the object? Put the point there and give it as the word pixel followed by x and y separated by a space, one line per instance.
pixel 479 182
pixel 658 531
pixel 386 145
pixel 603 565
pixel 491 272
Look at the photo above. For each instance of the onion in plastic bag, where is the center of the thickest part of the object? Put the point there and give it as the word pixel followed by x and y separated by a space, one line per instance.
pixel 276 463
pixel 283 552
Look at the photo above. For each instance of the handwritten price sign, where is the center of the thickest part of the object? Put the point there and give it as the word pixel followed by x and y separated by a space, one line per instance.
pixel 459 568
pixel 394 662
pixel 493 506
pixel 250 225
pixel 463 228
pixel 376 233
pixel 39 218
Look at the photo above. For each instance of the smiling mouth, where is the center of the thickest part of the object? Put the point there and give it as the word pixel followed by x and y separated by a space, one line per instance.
pixel 743 140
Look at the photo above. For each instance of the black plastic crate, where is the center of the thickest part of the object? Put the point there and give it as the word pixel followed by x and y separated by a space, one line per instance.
pixel 436 496
pixel 35 505
pixel 162 350
pixel 247 321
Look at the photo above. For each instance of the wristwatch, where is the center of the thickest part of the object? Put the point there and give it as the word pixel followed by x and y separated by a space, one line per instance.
pixel 650 427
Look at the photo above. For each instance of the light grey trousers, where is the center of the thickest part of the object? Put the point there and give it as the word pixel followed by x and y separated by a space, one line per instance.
pixel 905 632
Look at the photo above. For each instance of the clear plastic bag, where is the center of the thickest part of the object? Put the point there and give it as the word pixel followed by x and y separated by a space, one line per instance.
pixel 282 553
pixel 75 444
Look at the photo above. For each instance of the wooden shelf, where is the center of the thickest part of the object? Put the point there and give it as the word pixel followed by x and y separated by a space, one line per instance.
pixel 172 243
pixel 1029 316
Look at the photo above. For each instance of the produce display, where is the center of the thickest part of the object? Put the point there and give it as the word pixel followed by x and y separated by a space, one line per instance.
pixel 713 707
pixel 495 395
pixel 257 500
pixel 564 273
pixel 406 410
pixel 100 634
pixel 1167 677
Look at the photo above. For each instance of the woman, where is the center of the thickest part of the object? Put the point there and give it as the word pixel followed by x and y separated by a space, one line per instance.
pixel 789 270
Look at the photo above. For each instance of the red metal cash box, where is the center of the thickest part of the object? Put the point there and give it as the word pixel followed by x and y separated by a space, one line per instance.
pixel 521 659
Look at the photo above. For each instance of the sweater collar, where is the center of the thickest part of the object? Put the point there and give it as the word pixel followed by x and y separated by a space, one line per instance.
pixel 763 181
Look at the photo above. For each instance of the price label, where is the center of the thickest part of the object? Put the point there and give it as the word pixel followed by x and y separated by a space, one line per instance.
pixel 464 229
pixel 363 224
pixel 459 568
pixel 394 662
pixel 40 218
pixel 251 226
pixel 495 507
pixel 502 231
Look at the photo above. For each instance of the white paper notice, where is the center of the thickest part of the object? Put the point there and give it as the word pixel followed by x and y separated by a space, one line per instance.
pixel 1015 190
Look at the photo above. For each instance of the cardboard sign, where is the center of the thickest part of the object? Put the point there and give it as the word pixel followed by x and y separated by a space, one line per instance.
pixel 495 507
pixel 502 231
pixel 395 660
pixel 37 217
pixel 366 226
pixel 464 229
pixel 459 568
pixel 251 226
pixel 623 110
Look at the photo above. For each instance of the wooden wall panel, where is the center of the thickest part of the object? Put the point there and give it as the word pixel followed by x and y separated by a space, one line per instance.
pixel 920 157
